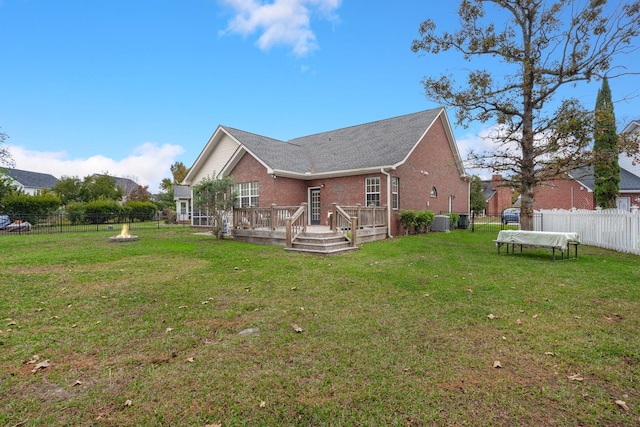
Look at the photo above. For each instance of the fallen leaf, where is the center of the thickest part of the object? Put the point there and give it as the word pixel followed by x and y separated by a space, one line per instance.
pixel 183 306
pixel 205 302
pixel 518 322
pixel 575 377
pixel 491 316
pixel 534 316
pixel 34 359
pixel 190 359
pixel 296 328
pixel 294 288
pixel 622 404
pixel 128 402
pixel 214 425
pixel 576 317
pixel 168 330
pixel 549 353
pixel 497 364
pixel 78 382
pixel 42 365
pixel 13 322
pixel 263 404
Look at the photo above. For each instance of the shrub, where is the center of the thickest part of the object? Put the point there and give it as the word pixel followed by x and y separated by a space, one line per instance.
pixel 141 211
pixel 423 220
pixel 33 207
pixel 75 212
pixel 453 220
pixel 102 210
pixel 407 219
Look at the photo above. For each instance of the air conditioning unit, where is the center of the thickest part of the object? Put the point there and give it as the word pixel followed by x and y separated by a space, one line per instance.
pixel 440 223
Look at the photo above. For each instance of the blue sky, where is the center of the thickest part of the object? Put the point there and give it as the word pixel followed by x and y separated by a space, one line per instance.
pixel 131 86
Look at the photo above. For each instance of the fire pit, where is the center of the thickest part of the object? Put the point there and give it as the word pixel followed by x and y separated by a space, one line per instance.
pixel 124 236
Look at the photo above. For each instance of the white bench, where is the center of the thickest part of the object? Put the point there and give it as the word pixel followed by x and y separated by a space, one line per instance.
pixel 547 239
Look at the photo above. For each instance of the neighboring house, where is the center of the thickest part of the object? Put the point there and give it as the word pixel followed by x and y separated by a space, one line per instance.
pixel 31 182
pixel 497 195
pixel 624 160
pixel 576 191
pixel 406 162
pixel 182 197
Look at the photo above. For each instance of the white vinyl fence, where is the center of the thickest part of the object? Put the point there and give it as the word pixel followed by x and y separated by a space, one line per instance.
pixel 608 228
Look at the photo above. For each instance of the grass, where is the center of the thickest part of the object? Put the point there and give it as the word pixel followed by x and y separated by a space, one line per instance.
pixel 397 333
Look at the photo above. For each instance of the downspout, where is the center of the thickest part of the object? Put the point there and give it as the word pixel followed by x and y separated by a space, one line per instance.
pixel 388 201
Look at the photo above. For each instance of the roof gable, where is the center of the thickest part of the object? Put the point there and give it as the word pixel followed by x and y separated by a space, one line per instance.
pixel 381 144
pixel 32 179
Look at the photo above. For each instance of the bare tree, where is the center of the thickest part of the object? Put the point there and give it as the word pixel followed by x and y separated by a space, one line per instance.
pixel 5 155
pixel 542 47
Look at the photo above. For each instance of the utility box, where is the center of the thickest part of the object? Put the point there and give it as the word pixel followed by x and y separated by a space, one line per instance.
pixel 440 223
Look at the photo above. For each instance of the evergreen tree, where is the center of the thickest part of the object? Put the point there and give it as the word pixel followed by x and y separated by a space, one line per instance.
pixel 477 200
pixel 606 169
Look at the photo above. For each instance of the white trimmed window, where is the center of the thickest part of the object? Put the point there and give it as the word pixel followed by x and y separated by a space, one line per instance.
pixel 395 190
pixel 372 191
pixel 247 194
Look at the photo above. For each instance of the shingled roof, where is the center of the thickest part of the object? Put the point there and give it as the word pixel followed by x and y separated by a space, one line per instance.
pixel 32 179
pixel 383 143
pixel 629 182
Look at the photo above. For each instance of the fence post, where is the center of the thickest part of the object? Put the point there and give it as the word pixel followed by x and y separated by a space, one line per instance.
pixel 251 219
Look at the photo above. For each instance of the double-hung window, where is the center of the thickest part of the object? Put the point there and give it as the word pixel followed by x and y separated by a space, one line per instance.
pixel 247 193
pixel 372 191
pixel 395 191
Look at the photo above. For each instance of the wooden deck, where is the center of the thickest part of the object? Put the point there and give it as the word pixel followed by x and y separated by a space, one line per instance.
pixel 349 227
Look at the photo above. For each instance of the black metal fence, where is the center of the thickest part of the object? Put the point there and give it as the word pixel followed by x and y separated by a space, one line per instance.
pixel 63 223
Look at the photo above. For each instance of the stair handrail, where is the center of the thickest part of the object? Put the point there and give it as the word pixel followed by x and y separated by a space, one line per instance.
pixel 345 224
pixel 296 224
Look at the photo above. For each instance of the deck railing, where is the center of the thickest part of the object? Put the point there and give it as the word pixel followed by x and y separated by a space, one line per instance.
pixel 344 223
pixel 271 218
pixel 368 217
pixel 296 224
pixel 293 219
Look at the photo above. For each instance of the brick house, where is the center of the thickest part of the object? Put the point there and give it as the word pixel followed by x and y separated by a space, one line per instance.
pixel 405 162
pixel 576 191
pixel 497 195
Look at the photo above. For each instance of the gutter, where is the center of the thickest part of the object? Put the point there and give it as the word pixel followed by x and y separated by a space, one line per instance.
pixel 382 171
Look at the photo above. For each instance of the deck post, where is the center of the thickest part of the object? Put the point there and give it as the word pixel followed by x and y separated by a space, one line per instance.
pixel 354 230
pixel 252 224
pixel 334 217
pixel 272 217
pixel 288 237
pixel 305 217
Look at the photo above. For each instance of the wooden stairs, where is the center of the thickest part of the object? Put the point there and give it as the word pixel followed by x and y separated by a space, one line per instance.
pixel 324 243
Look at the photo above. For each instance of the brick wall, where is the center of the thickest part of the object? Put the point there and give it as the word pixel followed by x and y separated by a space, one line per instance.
pixel 563 194
pixel 430 165
pixel 501 200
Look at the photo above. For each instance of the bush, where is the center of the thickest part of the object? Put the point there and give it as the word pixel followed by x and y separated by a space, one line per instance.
pixel 453 220
pixel 102 210
pixel 407 219
pixel 141 211
pixel 423 220
pixel 75 212
pixel 34 207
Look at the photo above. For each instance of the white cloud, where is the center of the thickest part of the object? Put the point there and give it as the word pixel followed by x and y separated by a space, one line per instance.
pixel 286 22
pixel 147 164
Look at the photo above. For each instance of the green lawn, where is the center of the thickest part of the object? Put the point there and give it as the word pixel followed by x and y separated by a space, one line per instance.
pixel 402 332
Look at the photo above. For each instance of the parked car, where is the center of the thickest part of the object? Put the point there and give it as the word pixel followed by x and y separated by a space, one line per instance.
pixel 511 215
pixel 4 221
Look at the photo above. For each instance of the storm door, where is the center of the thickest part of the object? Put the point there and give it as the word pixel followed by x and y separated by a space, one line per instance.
pixel 314 206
